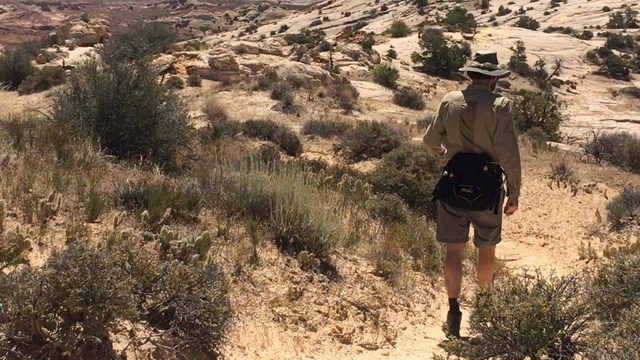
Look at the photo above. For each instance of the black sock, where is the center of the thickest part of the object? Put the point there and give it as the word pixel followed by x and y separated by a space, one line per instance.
pixel 454 307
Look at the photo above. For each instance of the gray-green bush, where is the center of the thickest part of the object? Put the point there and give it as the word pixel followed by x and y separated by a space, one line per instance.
pixel 618 148
pixel 369 139
pixel 624 209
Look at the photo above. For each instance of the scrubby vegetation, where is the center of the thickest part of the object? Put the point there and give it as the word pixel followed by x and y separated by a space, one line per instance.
pixel 324 128
pixel 436 56
pixel 538 110
pixel 459 18
pixel 385 75
pixel 620 149
pixel 369 140
pixel 409 98
pixel 42 79
pixel 15 67
pixel 624 209
pixel 399 29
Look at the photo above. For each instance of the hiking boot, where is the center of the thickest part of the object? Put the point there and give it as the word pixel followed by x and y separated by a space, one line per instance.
pixel 452 326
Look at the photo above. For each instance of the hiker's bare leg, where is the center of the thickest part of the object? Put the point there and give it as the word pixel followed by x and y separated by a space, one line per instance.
pixel 453 269
pixel 486 266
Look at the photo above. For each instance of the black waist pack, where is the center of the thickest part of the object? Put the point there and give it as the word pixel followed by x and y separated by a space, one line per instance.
pixel 470 181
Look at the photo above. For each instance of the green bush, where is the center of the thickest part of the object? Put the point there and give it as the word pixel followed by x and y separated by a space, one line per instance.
pixel 324 128
pixel 66 309
pixel 369 140
pixel 436 56
pixel 367 43
pixel 42 80
pixel 123 107
pixel 399 29
pixel 624 209
pixel 518 61
pixel 410 173
pixel 416 237
pixel 389 208
pixel 272 131
pixel 385 75
pixel 538 110
pixel 459 18
pixel 175 82
pixel 162 201
pixel 619 149
pixel 620 42
pixel 502 11
pixel 527 22
pixel 585 35
pixel 140 41
pixel 534 317
pixel 15 67
pixel 306 37
pixel 409 98
pixel 613 296
pixel 302 215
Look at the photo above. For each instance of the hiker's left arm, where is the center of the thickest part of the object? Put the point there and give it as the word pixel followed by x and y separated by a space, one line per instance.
pixel 435 133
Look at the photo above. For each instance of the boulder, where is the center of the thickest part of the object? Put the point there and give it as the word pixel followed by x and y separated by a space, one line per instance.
pixel 285 69
pixel 41 59
pixel 253 65
pixel 221 60
pixel 83 34
pixel 246 48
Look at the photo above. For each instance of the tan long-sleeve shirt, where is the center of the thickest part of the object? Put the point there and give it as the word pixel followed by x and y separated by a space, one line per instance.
pixel 477 120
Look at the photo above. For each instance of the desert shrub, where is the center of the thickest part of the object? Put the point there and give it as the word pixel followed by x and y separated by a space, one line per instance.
pixel 416 237
pixel 175 82
pixel 161 201
pixel 409 98
pixel 346 95
pixel 437 57
pixel 620 42
pixel 538 110
pixel 389 208
pixel 15 67
pixel 261 129
pixel 367 43
pixel 67 308
pixel 214 111
pixel 620 20
pixel 399 29
pixel 392 54
pixel 522 316
pixel 14 249
pixel 123 108
pixel 410 173
pixel 631 91
pixel 518 61
pixel 194 80
pixel 278 134
pixel 140 41
pixel 324 46
pixel 613 296
pixel 281 90
pixel 301 215
pixel 619 149
pixel 624 209
pixel 459 18
pixel 527 22
pixel 385 75
pixel 369 139
pixel 585 35
pixel 324 128
pixel 288 141
pixel 42 80
pixel 502 10
pixel 562 172
pixel 606 9
pixel 306 37
pixel 615 67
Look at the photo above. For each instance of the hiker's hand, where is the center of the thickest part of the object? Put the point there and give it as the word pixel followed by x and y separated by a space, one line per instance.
pixel 511 206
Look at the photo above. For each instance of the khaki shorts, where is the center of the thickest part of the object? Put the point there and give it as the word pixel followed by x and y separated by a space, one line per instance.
pixel 452 226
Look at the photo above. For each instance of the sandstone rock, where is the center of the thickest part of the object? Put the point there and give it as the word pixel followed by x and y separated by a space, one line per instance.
pixel 272 14
pixel 222 60
pixel 287 68
pixel 83 34
pixel 354 51
pixel 71 44
pixel 246 48
pixel 253 65
pixel 375 57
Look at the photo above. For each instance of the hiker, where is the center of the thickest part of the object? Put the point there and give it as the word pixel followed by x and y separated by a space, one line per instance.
pixel 474 134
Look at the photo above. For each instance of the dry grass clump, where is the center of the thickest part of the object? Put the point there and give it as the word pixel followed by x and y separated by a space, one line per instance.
pixel 325 128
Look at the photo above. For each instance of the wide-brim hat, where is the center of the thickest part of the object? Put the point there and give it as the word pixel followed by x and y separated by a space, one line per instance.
pixel 486 62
